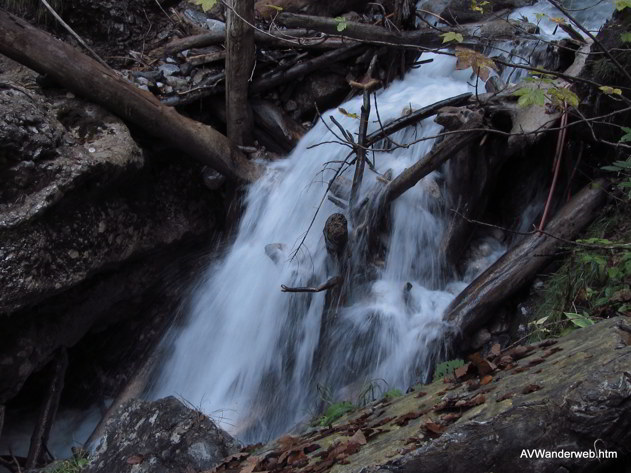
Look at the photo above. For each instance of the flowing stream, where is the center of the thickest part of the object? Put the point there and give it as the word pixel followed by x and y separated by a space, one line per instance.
pixel 247 353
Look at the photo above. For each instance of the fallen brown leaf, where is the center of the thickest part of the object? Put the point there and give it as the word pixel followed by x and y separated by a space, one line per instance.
pixel 135 459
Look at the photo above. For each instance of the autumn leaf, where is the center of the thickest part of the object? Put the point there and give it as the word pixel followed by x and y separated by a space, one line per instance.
pixel 480 64
pixel 135 459
pixel 275 7
pixel 348 114
pixel 452 36
pixel 205 4
pixel 359 438
pixel 557 19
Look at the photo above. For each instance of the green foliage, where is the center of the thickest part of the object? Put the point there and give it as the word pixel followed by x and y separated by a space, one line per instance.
pixel 452 36
pixel 625 37
pixel 392 393
pixel 622 4
pixel 334 412
pixel 341 23
pixel 610 90
pixel 623 168
pixel 205 4
pixel 541 87
pixel 446 368
pixel 530 96
pixel 593 282
pixel 627 134
pixel 480 7
pixel 71 465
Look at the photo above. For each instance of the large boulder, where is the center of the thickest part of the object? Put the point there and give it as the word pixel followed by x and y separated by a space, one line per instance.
pixel 162 436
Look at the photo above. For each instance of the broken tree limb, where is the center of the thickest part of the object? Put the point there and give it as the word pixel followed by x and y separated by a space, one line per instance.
pixel 79 73
pixel 360 150
pixel 334 281
pixel 1 419
pixel 475 305
pixel 265 83
pixel 470 131
pixel 48 411
pixel 285 131
pixel 416 117
pixel 239 68
pixel 296 38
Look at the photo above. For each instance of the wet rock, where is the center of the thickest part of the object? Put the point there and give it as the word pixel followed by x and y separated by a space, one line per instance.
pixel 324 89
pixel 480 338
pixel 163 436
pixel 461 11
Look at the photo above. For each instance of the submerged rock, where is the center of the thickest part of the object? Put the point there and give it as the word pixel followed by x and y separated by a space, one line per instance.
pixel 162 436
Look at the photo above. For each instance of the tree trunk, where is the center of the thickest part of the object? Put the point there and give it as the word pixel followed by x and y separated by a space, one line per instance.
pixel 74 70
pixel 475 305
pixel 239 67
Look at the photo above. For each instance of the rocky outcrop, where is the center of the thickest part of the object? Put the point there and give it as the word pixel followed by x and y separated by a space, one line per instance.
pixel 88 225
pixel 163 436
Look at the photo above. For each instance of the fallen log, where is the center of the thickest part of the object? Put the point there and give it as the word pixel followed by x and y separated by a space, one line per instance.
pixel 416 117
pixel 266 83
pixel 48 411
pixel 469 132
pixel 288 38
pixel 334 281
pixel 475 305
pixel 240 51
pixel 79 73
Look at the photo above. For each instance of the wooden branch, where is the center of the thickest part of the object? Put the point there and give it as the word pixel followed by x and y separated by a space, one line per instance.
pixel 266 83
pixel 48 411
pixel 323 287
pixel 74 70
pixel 288 38
pixel 415 117
pixel 285 131
pixel 360 150
pixel 239 68
pixel 360 31
pixel 1 419
pixel 441 153
pixel 476 304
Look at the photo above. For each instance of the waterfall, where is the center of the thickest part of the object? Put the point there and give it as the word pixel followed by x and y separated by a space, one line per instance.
pixel 247 353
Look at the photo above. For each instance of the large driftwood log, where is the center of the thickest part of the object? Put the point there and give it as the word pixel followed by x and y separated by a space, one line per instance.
pixel 239 64
pixel 469 132
pixel 475 305
pixel 74 70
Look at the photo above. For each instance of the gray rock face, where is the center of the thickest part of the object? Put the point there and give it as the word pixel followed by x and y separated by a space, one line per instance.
pixel 163 436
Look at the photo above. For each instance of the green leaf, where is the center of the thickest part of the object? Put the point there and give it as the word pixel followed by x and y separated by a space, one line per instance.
pixel 610 90
pixel 341 23
pixel 579 320
pixel 561 96
pixel 205 4
pixel 452 36
pixel 540 16
pixel 622 4
pixel 530 96
pixel 627 134
pixel 275 7
pixel 625 37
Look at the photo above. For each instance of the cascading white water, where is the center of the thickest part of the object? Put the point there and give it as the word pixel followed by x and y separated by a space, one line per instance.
pixel 248 353
pixel 248 349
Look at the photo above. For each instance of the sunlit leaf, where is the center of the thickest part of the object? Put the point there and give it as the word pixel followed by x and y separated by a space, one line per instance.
pixel 530 96
pixel 275 7
pixel 540 16
pixel 452 36
pixel 625 37
pixel 622 4
pixel 205 4
pixel 610 90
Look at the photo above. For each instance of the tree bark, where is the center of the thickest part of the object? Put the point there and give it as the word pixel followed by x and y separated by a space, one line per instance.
pixel 48 411
pixel 239 67
pixel 74 70
pixel 475 305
